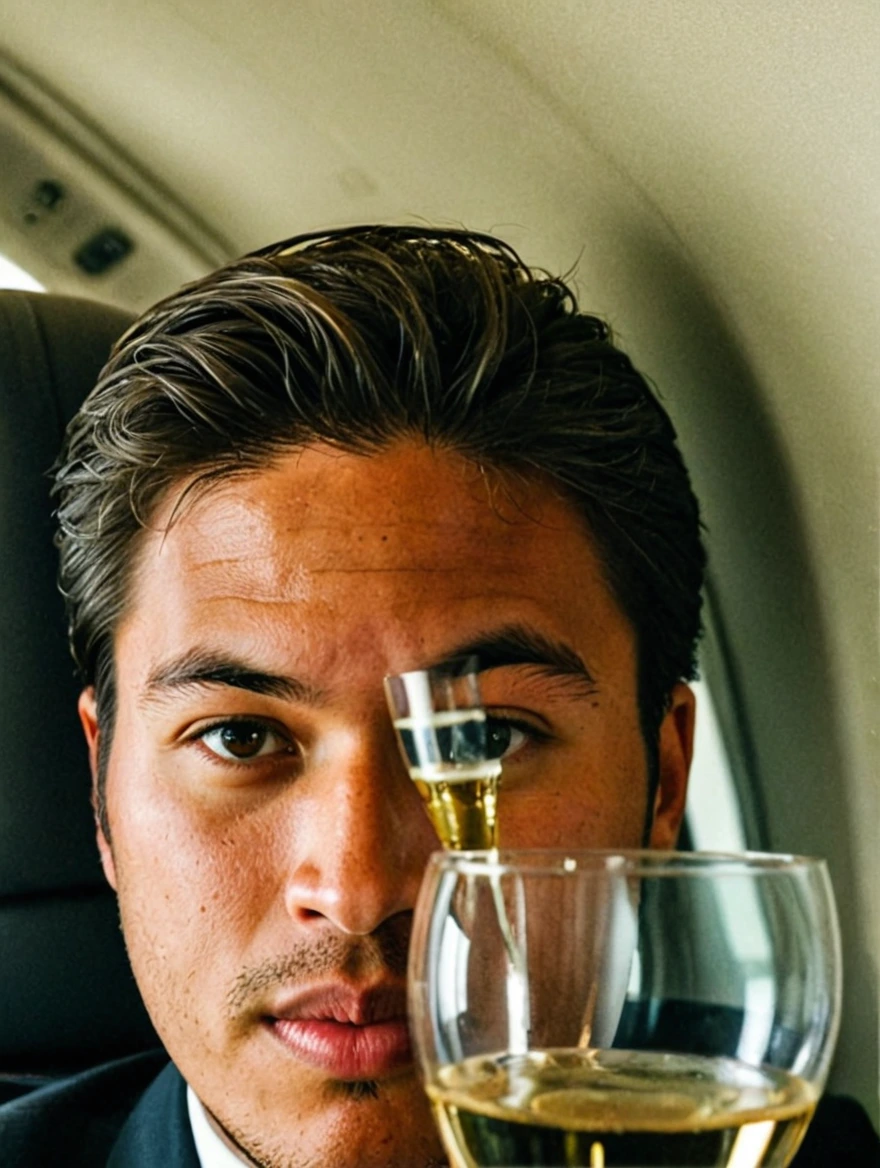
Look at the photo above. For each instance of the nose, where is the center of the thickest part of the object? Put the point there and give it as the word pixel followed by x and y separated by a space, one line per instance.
pixel 362 838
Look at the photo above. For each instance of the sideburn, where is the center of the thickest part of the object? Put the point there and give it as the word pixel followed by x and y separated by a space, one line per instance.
pixel 650 721
pixel 105 705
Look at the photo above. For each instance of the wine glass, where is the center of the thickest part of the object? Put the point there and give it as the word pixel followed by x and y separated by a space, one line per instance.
pixel 660 1008
pixel 442 730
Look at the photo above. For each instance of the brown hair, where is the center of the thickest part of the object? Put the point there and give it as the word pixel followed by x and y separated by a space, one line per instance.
pixel 358 337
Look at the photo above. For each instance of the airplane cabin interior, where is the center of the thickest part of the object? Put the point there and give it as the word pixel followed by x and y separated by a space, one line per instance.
pixel 707 173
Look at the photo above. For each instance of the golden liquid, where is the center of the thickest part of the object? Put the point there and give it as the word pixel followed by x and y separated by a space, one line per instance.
pixel 463 811
pixel 619 1109
pixel 446 759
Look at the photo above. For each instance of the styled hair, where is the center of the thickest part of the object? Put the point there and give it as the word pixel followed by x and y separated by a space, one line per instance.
pixel 357 338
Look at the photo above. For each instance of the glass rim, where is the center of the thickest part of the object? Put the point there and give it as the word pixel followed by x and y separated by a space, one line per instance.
pixel 456 668
pixel 622 861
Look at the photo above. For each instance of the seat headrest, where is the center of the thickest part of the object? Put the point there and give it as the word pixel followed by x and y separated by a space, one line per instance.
pixel 51 351
pixel 55 908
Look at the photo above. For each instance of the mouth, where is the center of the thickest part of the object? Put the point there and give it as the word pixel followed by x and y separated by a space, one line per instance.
pixel 347 1033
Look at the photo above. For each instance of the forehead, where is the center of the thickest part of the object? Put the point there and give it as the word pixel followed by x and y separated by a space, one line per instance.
pixel 341 510
pixel 393 549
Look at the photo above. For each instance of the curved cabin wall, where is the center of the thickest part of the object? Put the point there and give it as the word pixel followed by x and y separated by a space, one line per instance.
pixel 713 170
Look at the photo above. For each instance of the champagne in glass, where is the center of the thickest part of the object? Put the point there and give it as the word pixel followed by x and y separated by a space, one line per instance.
pixel 683 1007
pixel 571 1107
pixel 442 730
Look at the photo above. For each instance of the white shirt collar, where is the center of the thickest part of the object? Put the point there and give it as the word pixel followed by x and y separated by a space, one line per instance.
pixel 213 1150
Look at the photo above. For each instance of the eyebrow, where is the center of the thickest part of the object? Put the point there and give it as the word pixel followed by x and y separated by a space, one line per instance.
pixel 521 645
pixel 510 646
pixel 205 667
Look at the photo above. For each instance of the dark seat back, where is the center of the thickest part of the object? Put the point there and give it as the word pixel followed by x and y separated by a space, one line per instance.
pixel 67 997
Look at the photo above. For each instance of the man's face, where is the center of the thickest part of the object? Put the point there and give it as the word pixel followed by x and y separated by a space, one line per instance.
pixel 267 843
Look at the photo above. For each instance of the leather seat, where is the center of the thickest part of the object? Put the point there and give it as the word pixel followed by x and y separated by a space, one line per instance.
pixel 67 997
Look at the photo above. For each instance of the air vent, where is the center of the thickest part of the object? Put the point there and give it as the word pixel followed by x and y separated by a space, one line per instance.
pixel 79 215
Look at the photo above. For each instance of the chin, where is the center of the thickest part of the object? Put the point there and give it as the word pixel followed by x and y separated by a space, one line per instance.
pixel 362 1123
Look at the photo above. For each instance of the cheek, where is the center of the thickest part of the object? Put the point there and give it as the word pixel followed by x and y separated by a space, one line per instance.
pixel 591 794
pixel 191 900
pixel 567 819
pixel 190 871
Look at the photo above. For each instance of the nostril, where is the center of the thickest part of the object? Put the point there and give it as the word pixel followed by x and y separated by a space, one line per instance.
pixel 309 914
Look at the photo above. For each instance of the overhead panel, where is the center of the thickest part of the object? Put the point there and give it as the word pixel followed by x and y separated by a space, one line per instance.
pixel 79 216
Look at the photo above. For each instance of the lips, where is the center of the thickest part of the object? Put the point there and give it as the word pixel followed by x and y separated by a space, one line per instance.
pixel 345 1032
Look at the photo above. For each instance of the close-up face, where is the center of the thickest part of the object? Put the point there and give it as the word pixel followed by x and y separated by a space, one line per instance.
pixel 266 842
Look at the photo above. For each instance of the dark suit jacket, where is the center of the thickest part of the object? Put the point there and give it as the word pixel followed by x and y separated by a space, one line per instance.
pixel 126 1114
pixel 132 1114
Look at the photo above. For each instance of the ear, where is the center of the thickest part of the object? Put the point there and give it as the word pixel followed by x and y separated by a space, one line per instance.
pixel 88 716
pixel 675 750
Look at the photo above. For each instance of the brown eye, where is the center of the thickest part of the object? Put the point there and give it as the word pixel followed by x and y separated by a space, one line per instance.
pixel 243 741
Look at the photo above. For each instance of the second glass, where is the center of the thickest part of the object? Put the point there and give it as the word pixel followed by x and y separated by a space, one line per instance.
pixel 630 1009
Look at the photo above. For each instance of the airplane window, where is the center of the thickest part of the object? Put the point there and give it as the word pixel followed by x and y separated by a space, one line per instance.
pixel 715 823
pixel 714 817
pixel 12 276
